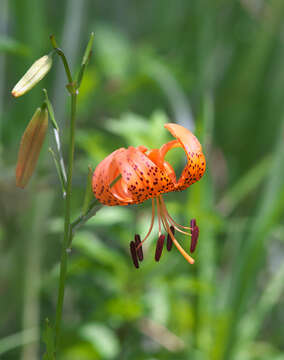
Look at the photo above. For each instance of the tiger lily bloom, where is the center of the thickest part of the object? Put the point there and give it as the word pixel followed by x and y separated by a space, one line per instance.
pixel 133 175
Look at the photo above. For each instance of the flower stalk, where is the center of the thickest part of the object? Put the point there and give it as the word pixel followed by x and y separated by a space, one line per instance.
pixel 67 232
pixel 72 87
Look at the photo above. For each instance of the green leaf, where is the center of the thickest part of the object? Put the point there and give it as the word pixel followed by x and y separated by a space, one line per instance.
pixel 59 163
pixel 92 247
pixel 50 110
pixel 8 45
pixel 85 60
pixel 245 185
pixel 19 339
pixel 113 52
pixel 48 338
pixel 60 174
pixel 88 192
pixel 102 338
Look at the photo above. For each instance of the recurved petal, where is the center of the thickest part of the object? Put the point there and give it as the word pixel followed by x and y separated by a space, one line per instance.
pixel 193 171
pixel 188 141
pixel 196 165
pixel 131 184
pixel 104 174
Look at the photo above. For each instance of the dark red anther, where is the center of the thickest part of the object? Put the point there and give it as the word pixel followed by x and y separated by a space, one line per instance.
pixel 194 238
pixel 169 239
pixel 139 250
pixel 159 247
pixel 134 254
pixel 192 223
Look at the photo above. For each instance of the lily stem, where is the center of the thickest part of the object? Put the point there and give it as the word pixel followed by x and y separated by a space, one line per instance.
pixel 67 228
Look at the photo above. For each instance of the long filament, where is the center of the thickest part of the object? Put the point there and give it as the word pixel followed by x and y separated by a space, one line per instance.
pixel 171 221
pixel 170 218
pixel 178 246
pixel 151 226
pixel 159 215
pixel 163 218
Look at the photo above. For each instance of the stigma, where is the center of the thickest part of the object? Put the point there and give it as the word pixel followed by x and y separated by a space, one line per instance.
pixel 166 224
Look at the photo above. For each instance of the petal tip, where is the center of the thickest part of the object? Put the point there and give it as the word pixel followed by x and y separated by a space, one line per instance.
pixel 188 140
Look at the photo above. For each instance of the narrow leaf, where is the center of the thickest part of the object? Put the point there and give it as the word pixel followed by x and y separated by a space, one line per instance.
pixel 50 110
pixel 85 60
pixel 48 338
pixel 60 174
pixel 60 161
pixel 88 50
pixel 31 144
pixel 245 185
pixel 88 192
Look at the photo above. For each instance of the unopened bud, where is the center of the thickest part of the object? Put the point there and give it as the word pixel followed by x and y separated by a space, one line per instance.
pixel 31 144
pixel 36 72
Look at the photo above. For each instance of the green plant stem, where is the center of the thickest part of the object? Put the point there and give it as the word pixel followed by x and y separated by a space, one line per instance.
pixel 94 207
pixel 90 212
pixel 64 253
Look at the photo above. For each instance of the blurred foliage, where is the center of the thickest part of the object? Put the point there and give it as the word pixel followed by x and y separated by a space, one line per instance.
pixel 212 66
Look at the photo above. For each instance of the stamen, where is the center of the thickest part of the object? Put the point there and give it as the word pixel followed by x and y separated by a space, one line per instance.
pixel 180 249
pixel 169 216
pixel 170 220
pixel 159 247
pixel 159 214
pixel 169 239
pixel 163 218
pixel 139 250
pixel 177 229
pixel 134 254
pixel 151 226
pixel 194 238
pixel 192 223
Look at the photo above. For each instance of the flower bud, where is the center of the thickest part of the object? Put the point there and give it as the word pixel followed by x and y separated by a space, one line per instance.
pixel 31 144
pixel 36 72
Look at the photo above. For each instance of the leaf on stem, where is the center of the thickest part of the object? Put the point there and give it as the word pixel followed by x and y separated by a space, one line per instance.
pixel 59 163
pixel 48 338
pixel 31 144
pixel 61 175
pixel 88 192
pixel 85 60
pixel 50 110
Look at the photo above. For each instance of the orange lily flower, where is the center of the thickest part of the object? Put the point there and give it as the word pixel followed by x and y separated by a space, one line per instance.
pixel 133 175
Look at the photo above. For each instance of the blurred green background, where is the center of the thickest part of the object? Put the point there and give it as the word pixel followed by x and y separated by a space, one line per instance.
pixel 214 66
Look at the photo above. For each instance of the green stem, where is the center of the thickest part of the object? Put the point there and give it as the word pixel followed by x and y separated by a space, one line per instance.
pixel 82 219
pixel 64 253
pixel 94 207
pixel 68 229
